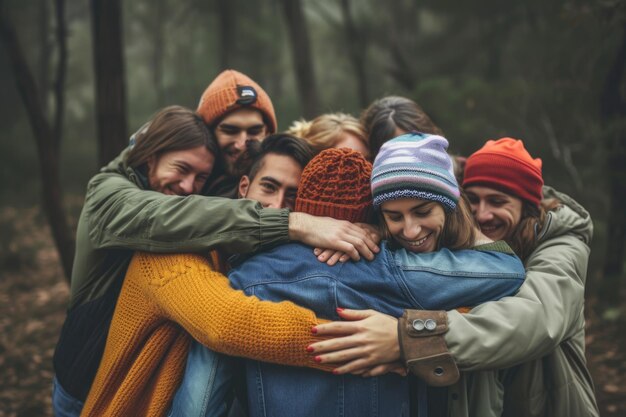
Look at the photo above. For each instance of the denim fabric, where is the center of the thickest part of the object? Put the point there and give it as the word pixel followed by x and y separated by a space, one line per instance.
pixel 394 281
pixel 206 389
pixel 63 404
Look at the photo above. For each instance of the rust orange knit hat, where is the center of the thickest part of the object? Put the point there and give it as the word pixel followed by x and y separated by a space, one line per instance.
pixel 336 183
pixel 232 90
pixel 505 165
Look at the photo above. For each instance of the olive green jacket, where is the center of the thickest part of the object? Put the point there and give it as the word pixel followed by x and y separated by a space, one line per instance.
pixel 536 339
pixel 120 216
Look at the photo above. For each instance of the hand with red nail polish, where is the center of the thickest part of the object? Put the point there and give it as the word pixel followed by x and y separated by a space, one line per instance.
pixel 365 342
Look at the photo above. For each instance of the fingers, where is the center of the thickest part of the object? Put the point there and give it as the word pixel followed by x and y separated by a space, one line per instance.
pixel 344 356
pixel 332 345
pixel 365 246
pixel 356 366
pixel 360 241
pixel 335 328
pixel 338 235
pixel 350 249
pixel 334 258
pixel 348 314
pixel 331 256
pixel 373 231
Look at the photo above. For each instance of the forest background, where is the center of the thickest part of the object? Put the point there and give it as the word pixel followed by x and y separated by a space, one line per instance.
pixel 77 78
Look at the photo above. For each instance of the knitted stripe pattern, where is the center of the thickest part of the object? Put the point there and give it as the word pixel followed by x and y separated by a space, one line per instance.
pixel 336 183
pixel 415 165
pixel 167 299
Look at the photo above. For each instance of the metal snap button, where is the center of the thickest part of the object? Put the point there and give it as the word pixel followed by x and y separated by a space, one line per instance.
pixel 418 325
pixel 439 371
pixel 430 324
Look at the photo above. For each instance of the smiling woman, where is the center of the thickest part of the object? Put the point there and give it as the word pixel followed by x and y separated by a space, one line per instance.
pixel 421 207
pixel 415 224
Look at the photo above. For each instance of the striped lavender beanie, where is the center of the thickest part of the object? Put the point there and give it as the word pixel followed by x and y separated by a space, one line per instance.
pixel 415 165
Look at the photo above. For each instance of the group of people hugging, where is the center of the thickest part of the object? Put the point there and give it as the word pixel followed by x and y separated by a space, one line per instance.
pixel 344 267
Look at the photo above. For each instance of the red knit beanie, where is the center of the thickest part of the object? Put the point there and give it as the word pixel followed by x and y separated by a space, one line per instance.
pixel 505 165
pixel 336 183
pixel 232 90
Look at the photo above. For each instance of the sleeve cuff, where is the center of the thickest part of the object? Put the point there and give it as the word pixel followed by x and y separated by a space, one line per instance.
pixel 274 227
pixel 423 348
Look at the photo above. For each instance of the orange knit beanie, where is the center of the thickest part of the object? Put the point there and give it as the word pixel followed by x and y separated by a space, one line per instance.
pixel 505 165
pixel 232 90
pixel 336 183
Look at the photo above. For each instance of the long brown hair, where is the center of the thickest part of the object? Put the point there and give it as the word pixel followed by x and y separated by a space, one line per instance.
pixel 174 128
pixel 523 239
pixel 459 228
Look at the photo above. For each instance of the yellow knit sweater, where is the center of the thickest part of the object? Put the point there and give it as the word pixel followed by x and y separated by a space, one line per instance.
pixel 166 297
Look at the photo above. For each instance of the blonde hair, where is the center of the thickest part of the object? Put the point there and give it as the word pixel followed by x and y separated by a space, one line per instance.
pixel 324 131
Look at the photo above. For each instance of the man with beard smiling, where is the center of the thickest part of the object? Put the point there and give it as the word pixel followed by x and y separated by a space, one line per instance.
pixel 238 112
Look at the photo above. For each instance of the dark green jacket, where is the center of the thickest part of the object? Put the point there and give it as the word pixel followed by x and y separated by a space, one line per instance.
pixel 120 216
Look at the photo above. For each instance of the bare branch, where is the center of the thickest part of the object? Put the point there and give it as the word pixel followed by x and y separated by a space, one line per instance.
pixel 61 71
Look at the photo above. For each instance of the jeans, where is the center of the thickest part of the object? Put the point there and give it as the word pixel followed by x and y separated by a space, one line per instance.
pixel 206 389
pixel 63 404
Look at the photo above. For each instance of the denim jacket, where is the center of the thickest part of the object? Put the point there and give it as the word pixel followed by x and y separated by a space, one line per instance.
pixel 393 281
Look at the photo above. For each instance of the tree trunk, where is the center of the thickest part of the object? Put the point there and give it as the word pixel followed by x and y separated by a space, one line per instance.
pixel 43 64
pixel 613 107
pixel 227 32
pixel 356 52
pixel 302 60
pixel 47 138
pixel 158 50
pixel 110 87
pixel 404 15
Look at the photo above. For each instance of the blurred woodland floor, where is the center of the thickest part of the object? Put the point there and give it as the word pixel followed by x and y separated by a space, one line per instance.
pixel 33 298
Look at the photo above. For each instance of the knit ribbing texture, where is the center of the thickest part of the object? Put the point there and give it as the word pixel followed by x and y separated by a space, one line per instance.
pixel 415 165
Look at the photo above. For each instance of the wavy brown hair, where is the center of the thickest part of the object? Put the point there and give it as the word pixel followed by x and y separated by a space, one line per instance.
pixel 523 239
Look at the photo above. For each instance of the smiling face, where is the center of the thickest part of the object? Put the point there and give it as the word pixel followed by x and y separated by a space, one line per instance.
pixel 234 131
pixel 497 213
pixel 275 185
pixel 180 172
pixel 413 223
